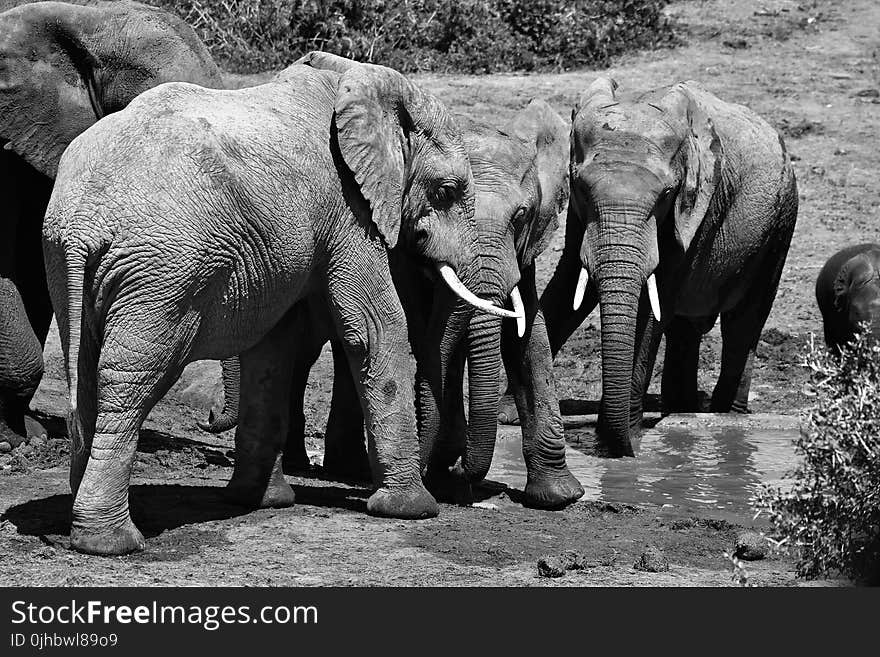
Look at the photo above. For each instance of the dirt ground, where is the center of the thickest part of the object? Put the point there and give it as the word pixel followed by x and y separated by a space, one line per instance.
pixel 810 68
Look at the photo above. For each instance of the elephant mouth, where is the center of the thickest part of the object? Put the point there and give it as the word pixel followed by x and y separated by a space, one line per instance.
pixel 447 273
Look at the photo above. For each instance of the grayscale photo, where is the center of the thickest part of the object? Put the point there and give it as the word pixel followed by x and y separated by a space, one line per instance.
pixel 434 293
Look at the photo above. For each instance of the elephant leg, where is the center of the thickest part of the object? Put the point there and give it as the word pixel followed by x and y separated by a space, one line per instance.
pixel 258 480
pixel 679 383
pixel 557 305
pixel 21 365
pixel 549 483
pixel 740 333
pixel 139 362
pixel 308 345
pixel 739 338
pixel 25 307
pixel 345 451
pixel 372 325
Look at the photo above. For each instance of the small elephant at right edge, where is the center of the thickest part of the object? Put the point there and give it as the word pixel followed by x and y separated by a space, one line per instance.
pixel 848 293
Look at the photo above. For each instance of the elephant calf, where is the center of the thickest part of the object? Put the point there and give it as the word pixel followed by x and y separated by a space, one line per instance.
pixel 187 225
pixel 848 293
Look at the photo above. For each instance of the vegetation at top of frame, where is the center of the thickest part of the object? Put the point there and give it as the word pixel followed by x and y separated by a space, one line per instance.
pixel 470 36
pixel 830 518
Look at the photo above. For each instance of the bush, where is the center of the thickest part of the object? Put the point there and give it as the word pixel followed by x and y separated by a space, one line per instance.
pixel 831 516
pixel 471 36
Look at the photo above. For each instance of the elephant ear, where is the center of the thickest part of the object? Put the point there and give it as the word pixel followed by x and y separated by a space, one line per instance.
pixel 854 273
pixel 539 125
pixel 374 116
pixel 64 66
pixel 702 162
pixel 48 94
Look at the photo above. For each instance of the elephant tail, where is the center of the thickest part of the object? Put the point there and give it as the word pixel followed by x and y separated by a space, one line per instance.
pixel 76 265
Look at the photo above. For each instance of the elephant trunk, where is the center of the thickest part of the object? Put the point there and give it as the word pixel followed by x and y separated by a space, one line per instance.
pixel 228 417
pixel 447 325
pixel 484 370
pixel 620 273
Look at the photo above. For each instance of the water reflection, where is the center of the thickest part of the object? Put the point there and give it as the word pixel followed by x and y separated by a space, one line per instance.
pixel 696 468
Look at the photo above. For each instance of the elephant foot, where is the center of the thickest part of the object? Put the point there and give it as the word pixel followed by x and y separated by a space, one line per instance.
pixel 276 494
pixel 507 413
pixel 10 438
pixel 450 486
pixel 552 491
pixel 741 408
pixel 107 542
pixel 410 503
pixel 738 407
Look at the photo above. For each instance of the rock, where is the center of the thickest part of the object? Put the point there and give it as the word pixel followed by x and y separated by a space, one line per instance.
pixel 557 565
pixel 551 566
pixel 750 546
pixel 38 441
pixel 5 447
pixel 652 560
pixel 736 44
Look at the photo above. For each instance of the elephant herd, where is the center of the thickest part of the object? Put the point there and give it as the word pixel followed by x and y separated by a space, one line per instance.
pixel 165 220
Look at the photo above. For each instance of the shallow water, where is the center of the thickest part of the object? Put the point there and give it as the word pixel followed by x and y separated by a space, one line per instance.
pixel 691 465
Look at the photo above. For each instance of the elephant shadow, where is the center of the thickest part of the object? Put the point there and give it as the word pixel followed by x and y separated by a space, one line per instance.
pixel 157 508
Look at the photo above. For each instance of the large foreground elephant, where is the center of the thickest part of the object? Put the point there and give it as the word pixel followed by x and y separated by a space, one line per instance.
pixel 521 185
pixel 682 209
pixel 186 226
pixel 64 66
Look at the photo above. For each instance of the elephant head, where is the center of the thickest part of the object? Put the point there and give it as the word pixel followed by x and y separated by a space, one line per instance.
pixel 856 293
pixel 848 294
pixel 521 180
pixel 643 177
pixel 64 66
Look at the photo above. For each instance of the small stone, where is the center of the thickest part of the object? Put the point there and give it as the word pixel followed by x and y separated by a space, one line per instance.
pixel 551 566
pixel 652 560
pixel 750 546
pixel 556 565
pixel 5 447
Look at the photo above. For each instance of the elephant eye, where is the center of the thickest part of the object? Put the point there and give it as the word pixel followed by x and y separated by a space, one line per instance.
pixel 445 193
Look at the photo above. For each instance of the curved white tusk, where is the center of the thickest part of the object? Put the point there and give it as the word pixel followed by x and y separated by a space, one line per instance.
pixel 520 311
pixel 583 279
pixel 653 296
pixel 448 274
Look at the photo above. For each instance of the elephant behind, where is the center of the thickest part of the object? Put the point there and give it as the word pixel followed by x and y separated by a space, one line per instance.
pixel 682 209
pixel 198 246
pixel 65 65
pixel 848 294
pixel 521 185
